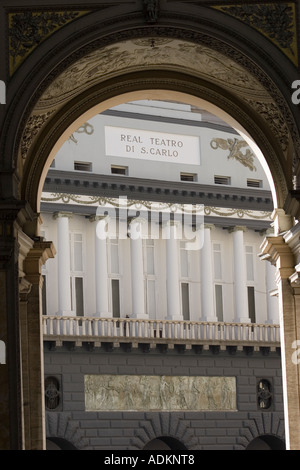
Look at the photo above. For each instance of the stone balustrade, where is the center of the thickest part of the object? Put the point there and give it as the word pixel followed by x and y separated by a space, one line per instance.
pixel 127 330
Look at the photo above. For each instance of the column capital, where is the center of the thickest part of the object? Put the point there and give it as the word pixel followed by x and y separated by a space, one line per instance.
pixel 36 257
pixel 134 222
pixel 237 228
pixel 209 226
pixel 275 250
pixel 98 218
pixel 282 221
pixel 59 214
pixel 137 220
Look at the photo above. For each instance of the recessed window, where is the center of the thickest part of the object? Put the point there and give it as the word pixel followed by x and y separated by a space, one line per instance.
pixel 119 170
pixel 185 300
pixel 83 166
pixel 251 303
pixel 251 183
pixel 52 393
pixel 219 301
pixel 115 293
pixel 188 177
pixel 264 394
pixel 222 180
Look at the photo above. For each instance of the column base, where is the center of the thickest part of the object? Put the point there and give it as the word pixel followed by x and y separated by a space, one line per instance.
pixel 140 316
pixel 211 319
pixel 104 315
pixel 243 320
pixel 66 313
pixel 175 318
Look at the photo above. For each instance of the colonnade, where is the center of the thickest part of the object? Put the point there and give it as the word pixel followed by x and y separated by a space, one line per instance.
pixel 174 312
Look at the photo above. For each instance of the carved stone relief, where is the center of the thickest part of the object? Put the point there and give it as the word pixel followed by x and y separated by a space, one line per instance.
pixel 164 393
pixel 131 55
pixel 147 53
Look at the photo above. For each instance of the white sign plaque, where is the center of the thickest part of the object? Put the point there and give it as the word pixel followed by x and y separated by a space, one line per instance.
pixel 152 145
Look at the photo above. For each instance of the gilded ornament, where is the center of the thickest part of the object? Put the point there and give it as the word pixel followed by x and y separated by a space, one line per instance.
pixel 28 29
pixel 234 146
pixel 276 21
pixel 86 128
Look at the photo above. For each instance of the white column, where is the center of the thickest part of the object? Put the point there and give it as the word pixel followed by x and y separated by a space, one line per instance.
pixel 206 269
pixel 173 284
pixel 101 270
pixel 137 268
pixel 63 260
pixel 272 300
pixel 240 276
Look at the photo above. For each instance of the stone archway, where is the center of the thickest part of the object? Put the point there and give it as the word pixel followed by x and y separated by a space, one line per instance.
pixel 196 72
pixel 56 125
pixel 266 443
pixel 74 74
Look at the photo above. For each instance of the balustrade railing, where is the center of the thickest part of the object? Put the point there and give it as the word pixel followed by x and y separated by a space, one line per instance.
pixel 124 329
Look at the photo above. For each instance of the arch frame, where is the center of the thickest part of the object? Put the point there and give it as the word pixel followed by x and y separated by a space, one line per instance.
pixel 27 131
pixel 216 30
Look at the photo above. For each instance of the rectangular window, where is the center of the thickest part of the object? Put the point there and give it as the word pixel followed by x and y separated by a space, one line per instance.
pixel 79 296
pixel 251 183
pixel 249 263
pixel 119 170
pixel 44 296
pixel 185 301
pixel 77 252
pixel 115 294
pixel 219 301
pixel 114 256
pixel 217 260
pixel 251 304
pixel 184 260
pixel 188 177
pixel 222 180
pixel 83 166
pixel 150 299
pixel 149 256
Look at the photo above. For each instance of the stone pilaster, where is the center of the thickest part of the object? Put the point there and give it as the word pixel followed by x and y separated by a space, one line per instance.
pixel 12 214
pixel 32 338
pixel 277 250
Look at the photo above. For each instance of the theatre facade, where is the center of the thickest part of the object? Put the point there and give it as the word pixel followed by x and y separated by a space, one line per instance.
pixel 160 321
pixel 65 72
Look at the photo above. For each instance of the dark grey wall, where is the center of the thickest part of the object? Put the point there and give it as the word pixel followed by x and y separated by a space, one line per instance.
pixel 195 430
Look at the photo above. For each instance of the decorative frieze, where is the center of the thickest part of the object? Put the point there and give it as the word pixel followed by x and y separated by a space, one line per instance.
pixel 159 393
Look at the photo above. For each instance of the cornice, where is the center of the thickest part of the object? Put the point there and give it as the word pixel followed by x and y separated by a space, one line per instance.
pixel 154 190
